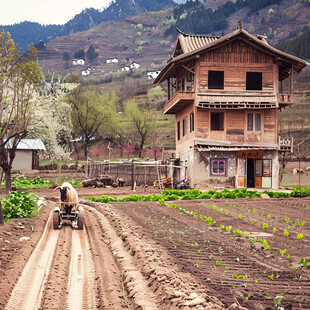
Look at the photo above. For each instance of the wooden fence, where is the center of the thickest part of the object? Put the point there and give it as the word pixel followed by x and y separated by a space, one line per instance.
pixel 138 173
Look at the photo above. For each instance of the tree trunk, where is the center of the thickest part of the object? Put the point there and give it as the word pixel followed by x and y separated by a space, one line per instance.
pixel 1 215
pixel 85 149
pixel 141 147
pixel 76 151
pixel 8 178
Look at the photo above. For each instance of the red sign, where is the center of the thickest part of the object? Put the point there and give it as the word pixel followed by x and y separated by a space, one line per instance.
pixel 250 154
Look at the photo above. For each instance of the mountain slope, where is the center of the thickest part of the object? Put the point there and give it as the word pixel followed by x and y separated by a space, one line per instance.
pixel 121 9
pixel 26 33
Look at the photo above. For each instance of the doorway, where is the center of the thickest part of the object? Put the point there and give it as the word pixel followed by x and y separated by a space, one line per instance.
pixel 250 174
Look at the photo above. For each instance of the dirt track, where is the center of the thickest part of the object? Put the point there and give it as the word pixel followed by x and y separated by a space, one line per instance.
pixel 148 256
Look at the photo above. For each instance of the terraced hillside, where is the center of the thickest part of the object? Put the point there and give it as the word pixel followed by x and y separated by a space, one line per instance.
pixel 138 40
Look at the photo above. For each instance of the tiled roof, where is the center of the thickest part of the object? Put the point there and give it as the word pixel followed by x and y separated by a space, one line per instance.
pixel 190 43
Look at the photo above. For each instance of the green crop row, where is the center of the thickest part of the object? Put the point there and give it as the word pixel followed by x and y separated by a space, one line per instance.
pixel 174 194
pixel 25 183
pixel 37 182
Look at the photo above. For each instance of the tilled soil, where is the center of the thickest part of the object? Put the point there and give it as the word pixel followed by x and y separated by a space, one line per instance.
pixel 148 256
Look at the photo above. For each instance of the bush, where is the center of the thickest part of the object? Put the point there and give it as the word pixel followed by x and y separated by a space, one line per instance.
pixel 19 205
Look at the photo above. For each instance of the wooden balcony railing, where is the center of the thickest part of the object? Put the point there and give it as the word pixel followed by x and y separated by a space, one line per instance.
pixel 178 101
pixel 285 100
pixel 236 100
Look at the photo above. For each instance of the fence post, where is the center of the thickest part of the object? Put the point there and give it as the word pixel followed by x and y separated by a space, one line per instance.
pixel 133 176
pixel 1 215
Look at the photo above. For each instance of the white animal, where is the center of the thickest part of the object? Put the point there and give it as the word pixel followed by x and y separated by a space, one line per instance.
pixel 301 171
pixel 69 195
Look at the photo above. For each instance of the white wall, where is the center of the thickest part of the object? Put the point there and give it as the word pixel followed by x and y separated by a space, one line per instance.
pixel 22 160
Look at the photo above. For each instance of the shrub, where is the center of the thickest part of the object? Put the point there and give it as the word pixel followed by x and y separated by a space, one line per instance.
pixel 19 205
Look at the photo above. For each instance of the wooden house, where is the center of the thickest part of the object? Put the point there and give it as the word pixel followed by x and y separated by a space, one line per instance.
pixel 225 93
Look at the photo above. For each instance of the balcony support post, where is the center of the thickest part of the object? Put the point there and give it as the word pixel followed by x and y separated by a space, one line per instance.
pixel 169 90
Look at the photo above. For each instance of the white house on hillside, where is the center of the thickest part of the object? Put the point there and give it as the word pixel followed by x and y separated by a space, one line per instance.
pixel 134 66
pixel 78 62
pixel 126 68
pixel 112 60
pixel 152 74
pixel 85 72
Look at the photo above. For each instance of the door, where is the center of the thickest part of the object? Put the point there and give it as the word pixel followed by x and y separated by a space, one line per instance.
pixel 250 174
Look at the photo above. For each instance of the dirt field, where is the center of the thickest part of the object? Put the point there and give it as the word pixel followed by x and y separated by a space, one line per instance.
pixel 149 256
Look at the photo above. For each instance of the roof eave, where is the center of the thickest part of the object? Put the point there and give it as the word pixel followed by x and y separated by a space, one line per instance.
pixel 298 64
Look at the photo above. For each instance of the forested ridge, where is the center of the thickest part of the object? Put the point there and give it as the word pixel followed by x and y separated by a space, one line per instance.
pixel 299 46
pixel 193 17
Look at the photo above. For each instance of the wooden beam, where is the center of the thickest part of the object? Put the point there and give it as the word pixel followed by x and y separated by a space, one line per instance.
pixel 188 69
pixel 291 81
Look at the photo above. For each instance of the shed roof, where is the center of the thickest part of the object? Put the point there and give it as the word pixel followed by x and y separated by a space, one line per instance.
pixel 31 144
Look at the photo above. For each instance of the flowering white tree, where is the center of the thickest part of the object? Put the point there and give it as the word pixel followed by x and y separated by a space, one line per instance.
pixel 26 109
pixel 52 119
pixel 19 81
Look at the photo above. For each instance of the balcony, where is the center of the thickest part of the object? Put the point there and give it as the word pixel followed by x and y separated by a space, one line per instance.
pixel 286 144
pixel 285 100
pixel 237 100
pixel 178 101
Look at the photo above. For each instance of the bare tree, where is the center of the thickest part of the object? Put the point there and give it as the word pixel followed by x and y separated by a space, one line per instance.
pixel 92 113
pixel 143 120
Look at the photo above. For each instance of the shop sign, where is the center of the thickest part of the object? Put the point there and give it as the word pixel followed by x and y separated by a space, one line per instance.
pixel 250 154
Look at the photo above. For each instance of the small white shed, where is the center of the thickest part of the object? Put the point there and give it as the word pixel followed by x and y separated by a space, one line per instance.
pixel 27 154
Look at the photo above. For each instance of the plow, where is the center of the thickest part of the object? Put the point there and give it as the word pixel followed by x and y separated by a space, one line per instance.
pixel 68 212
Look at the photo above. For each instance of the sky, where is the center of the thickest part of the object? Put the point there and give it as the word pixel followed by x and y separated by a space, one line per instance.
pixel 45 11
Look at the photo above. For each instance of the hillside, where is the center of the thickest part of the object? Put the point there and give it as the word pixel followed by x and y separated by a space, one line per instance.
pixel 26 32
pixel 148 38
pixel 139 39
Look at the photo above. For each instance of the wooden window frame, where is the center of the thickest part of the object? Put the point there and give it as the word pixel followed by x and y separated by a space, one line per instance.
pixel 185 124
pixel 221 121
pixel 178 130
pixel 254 81
pixel 254 124
pixel 265 173
pixel 215 79
pixel 218 173
pixel 191 122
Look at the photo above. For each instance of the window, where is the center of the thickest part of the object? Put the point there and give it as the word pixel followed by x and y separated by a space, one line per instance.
pixel 258 122
pixel 178 131
pixel 185 126
pixel 258 167
pixel 218 167
pixel 267 168
pixel 217 121
pixel 254 121
pixel 254 81
pixel 189 76
pixel 216 80
pixel 241 166
pixel 250 122
pixel 191 120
